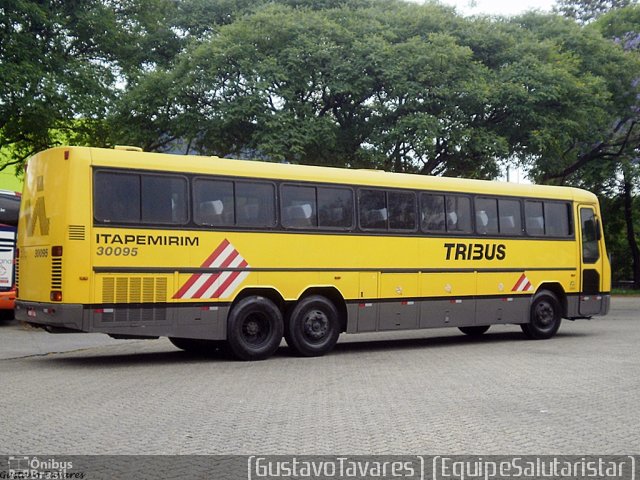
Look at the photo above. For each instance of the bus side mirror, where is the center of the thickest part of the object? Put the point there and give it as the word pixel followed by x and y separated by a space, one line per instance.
pixel 598 230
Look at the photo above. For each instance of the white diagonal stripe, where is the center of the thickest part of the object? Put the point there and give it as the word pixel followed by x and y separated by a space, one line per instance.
pixel 202 279
pixel 229 290
pixel 222 278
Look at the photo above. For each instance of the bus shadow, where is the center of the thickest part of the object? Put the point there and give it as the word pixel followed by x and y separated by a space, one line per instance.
pixel 343 348
pixel 442 341
pixel 139 358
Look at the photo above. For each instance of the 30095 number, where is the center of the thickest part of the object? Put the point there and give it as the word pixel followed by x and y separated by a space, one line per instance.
pixel 117 251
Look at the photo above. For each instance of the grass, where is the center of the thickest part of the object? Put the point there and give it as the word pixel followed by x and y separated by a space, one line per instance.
pixel 628 292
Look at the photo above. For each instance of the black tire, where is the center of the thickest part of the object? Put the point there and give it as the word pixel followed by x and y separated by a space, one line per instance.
pixel 254 328
pixel 313 327
pixel 546 316
pixel 196 345
pixel 474 331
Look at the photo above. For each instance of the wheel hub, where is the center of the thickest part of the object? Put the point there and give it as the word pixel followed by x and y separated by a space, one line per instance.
pixel 252 328
pixel 316 325
pixel 544 314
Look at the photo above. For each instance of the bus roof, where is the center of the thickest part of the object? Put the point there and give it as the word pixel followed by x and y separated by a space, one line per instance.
pixel 283 171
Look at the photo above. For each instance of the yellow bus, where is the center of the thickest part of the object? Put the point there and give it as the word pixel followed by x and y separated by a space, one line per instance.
pixel 210 251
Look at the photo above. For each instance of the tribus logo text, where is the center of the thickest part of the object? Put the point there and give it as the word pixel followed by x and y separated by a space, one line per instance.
pixel 475 251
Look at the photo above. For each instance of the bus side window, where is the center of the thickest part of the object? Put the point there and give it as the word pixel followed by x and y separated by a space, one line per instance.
pixel 116 197
pixel 486 216
pixel 510 217
pixel 534 217
pixel 213 202
pixel 164 199
pixel 402 210
pixel 432 212
pixel 298 206
pixel 460 206
pixel 255 202
pixel 557 219
pixel 373 209
pixel 335 207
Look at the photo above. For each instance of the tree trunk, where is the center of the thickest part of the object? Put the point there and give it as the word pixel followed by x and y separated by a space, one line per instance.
pixel 631 236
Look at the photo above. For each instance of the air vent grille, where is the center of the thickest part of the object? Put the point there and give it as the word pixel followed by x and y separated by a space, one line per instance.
pixel 131 297
pixel 56 273
pixel 76 232
pixel 134 289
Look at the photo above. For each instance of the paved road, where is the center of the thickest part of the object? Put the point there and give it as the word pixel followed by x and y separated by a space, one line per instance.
pixel 418 392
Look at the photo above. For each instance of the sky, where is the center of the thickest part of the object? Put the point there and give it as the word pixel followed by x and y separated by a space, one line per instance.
pixel 498 7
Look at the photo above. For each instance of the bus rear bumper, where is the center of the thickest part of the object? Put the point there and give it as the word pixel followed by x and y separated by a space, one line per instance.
pixel 64 317
pixel 197 321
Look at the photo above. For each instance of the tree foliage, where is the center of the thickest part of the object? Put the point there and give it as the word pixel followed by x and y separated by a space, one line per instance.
pixel 359 83
pixel 63 64
pixel 585 11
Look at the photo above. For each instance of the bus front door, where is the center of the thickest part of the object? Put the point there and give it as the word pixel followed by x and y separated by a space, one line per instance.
pixel 591 262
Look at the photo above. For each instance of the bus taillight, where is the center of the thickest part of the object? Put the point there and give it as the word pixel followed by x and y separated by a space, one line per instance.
pixel 56 251
pixel 56 296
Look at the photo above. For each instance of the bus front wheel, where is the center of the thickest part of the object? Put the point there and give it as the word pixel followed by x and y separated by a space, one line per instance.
pixel 313 327
pixel 254 328
pixel 546 316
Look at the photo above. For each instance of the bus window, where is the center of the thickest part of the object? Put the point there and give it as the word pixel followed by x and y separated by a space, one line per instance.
pixel 213 202
pixel 298 206
pixel 590 250
pixel 510 217
pixel 557 219
pixel 458 214
pixel 164 199
pixel 486 216
pixel 255 204
pixel 432 208
pixel 335 207
pixel 373 210
pixel 534 217
pixel 116 197
pixel 402 210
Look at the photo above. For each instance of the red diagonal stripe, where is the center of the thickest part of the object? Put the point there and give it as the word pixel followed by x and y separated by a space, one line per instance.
pixel 517 285
pixel 215 253
pixel 215 276
pixel 229 280
pixel 194 278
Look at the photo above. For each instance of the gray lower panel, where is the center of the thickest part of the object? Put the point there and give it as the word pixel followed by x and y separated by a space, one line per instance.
pixel 491 311
pixel 398 315
pixel 208 322
pixel 51 315
pixel 384 316
pixel 447 313
pixel 588 305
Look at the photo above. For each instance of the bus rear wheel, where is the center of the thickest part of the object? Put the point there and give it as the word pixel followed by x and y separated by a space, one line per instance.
pixel 313 326
pixel 546 316
pixel 254 328
pixel 474 331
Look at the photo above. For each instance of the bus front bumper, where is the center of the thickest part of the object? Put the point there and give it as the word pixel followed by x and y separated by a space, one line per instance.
pixel 51 316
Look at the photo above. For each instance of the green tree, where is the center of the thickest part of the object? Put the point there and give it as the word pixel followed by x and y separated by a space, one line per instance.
pixel 63 63
pixel 398 86
pixel 585 11
pixel 612 149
